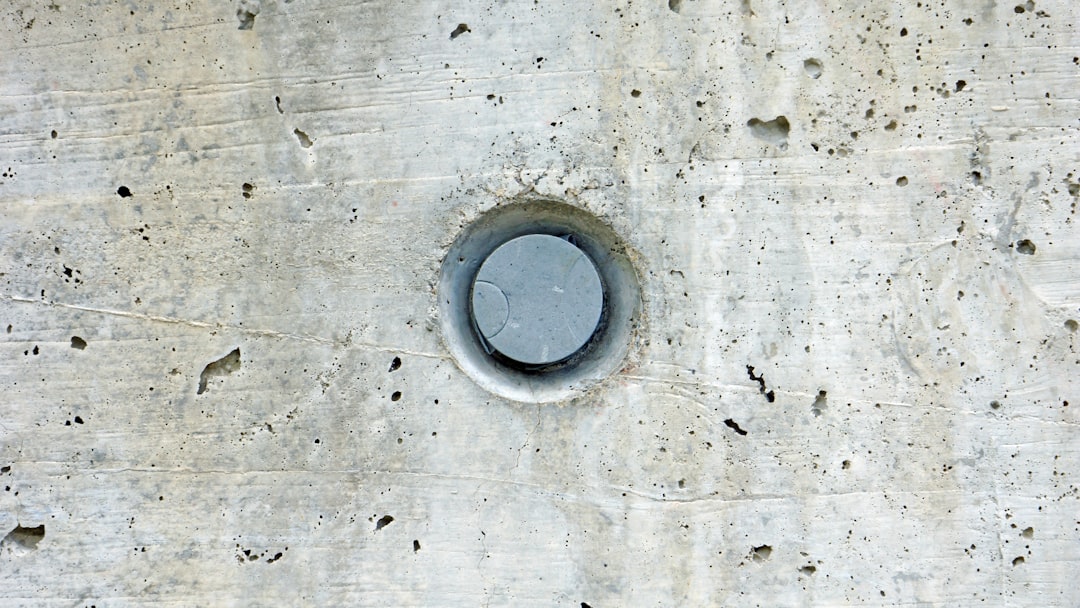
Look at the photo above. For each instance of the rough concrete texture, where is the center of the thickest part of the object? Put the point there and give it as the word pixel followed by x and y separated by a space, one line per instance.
pixel 223 380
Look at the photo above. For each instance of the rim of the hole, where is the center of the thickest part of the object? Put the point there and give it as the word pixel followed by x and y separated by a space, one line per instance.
pixel 617 333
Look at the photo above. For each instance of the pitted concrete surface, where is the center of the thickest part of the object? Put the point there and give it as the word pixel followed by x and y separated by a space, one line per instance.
pixel 222 374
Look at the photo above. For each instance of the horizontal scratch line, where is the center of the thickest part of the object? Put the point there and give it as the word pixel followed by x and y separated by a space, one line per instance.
pixel 268 333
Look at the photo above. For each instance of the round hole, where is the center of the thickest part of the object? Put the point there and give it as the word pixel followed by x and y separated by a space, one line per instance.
pixel 538 301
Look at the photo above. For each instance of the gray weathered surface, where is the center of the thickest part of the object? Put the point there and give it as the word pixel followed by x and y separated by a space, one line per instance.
pixel 870 204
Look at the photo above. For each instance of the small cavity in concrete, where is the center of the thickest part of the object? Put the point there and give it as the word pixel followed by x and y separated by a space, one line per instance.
pixel 820 403
pixel 305 141
pixel 459 30
pixel 24 538
pixel 245 13
pixel 762 553
pixel 770 395
pixel 731 424
pixel 773 131
pixel 222 367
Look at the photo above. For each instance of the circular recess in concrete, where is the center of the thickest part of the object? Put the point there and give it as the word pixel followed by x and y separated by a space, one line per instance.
pixel 538 300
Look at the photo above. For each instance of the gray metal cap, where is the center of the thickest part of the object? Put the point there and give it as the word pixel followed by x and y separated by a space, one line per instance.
pixel 537 299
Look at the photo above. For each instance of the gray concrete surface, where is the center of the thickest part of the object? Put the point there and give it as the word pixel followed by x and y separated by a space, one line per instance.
pixel 222 375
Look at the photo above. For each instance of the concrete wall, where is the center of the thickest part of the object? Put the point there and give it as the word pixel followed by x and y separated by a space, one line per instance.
pixel 854 225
